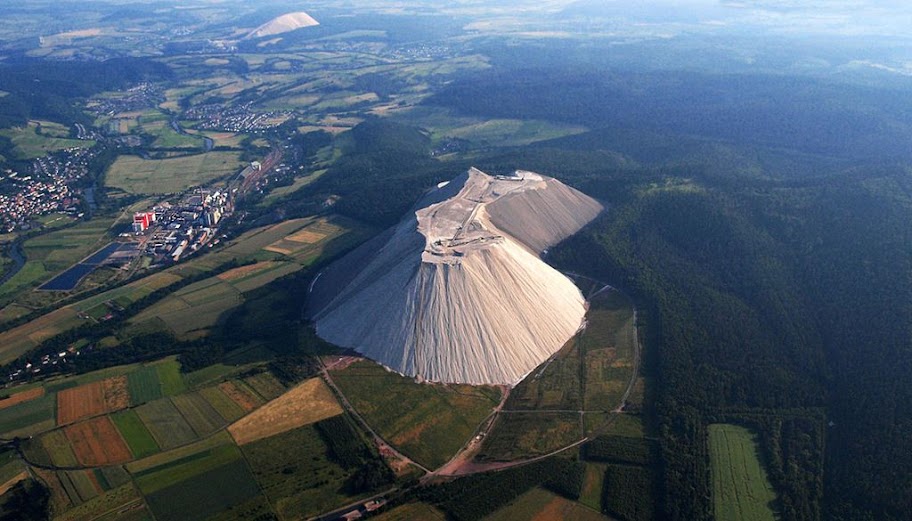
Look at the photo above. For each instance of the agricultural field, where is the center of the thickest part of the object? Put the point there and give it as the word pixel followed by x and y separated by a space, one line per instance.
pixel 265 385
pixel 143 385
pixel 299 182
pixel 123 499
pixel 193 310
pixel 199 413
pixel 21 397
pixel 135 175
pixel 741 488
pixel 241 394
pixel 51 253
pixel 593 485
pixel 165 423
pixel 303 482
pixel 428 423
pixel 309 402
pixel 412 512
pixel 135 433
pixel 29 417
pixel 58 449
pixel 198 485
pixel 172 381
pixel 92 399
pixel 227 408
pixel 609 346
pixel 11 469
pixel 521 434
pixel 541 505
pixel 553 386
pixel 444 124
pixel 20 339
pixel 96 442
pixel 39 138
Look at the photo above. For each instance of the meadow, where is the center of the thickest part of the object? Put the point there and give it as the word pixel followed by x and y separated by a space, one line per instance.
pixel 303 482
pixel 741 488
pixel 51 253
pixel 539 504
pixel 39 138
pixel 136 175
pixel 428 423
pixel 526 434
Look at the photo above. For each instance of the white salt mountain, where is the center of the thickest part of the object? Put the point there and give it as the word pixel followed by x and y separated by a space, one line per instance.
pixel 283 24
pixel 456 292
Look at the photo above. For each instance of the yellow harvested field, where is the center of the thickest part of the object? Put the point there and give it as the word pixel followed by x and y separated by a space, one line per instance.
pixel 15 479
pixel 307 403
pixel 307 236
pixel 20 339
pixel 244 271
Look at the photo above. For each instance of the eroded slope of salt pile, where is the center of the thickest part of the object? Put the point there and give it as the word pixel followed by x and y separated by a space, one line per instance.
pixel 456 292
pixel 283 24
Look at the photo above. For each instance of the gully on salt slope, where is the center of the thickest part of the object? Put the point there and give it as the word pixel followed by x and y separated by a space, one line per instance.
pixel 456 291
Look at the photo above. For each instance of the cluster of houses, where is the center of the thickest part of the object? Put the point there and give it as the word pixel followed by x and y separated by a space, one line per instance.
pixel 236 119
pixel 46 189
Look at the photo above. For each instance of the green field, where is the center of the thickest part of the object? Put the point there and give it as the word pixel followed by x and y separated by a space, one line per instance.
pixel 34 141
pixel 303 482
pixel 429 423
pixel 166 424
pixel 198 485
pixel 593 484
pixel 10 465
pixel 543 504
pixel 226 407
pixel 123 497
pixel 172 381
pixel 608 345
pixel 521 435
pixel 135 175
pixel 265 385
pixel 135 433
pixel 412 512
pixel 57 446
pixel 143 385
pixel 199 413
pixel 51 253
pixel 29 417
pixel 741 488
pixel 556 386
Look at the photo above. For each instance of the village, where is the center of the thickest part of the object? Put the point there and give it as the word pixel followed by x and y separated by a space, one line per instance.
pixel 46 189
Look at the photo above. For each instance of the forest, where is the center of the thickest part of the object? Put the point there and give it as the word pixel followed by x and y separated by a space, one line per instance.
pixel 768 299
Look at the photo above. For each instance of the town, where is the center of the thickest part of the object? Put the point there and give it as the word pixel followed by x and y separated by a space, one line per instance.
pixel 47 188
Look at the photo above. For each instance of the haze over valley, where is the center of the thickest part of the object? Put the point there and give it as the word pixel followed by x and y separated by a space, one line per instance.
pixel 457 260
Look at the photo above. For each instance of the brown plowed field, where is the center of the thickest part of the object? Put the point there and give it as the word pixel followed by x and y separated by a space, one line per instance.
pixel 24 396
pixel 116 394
pixel 240 396
pixel 96 442
pixel 92 399
pixel 80 402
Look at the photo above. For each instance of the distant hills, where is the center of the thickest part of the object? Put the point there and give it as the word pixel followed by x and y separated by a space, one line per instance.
pixel 283 24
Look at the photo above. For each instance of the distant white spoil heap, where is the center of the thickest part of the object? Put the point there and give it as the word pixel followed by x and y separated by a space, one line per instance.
pixel 456 292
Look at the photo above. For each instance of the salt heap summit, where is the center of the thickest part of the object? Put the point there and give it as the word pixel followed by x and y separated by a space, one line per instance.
pixel 456 292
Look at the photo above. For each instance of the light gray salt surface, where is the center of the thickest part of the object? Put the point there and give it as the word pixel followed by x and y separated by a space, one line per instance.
pixel 456 292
